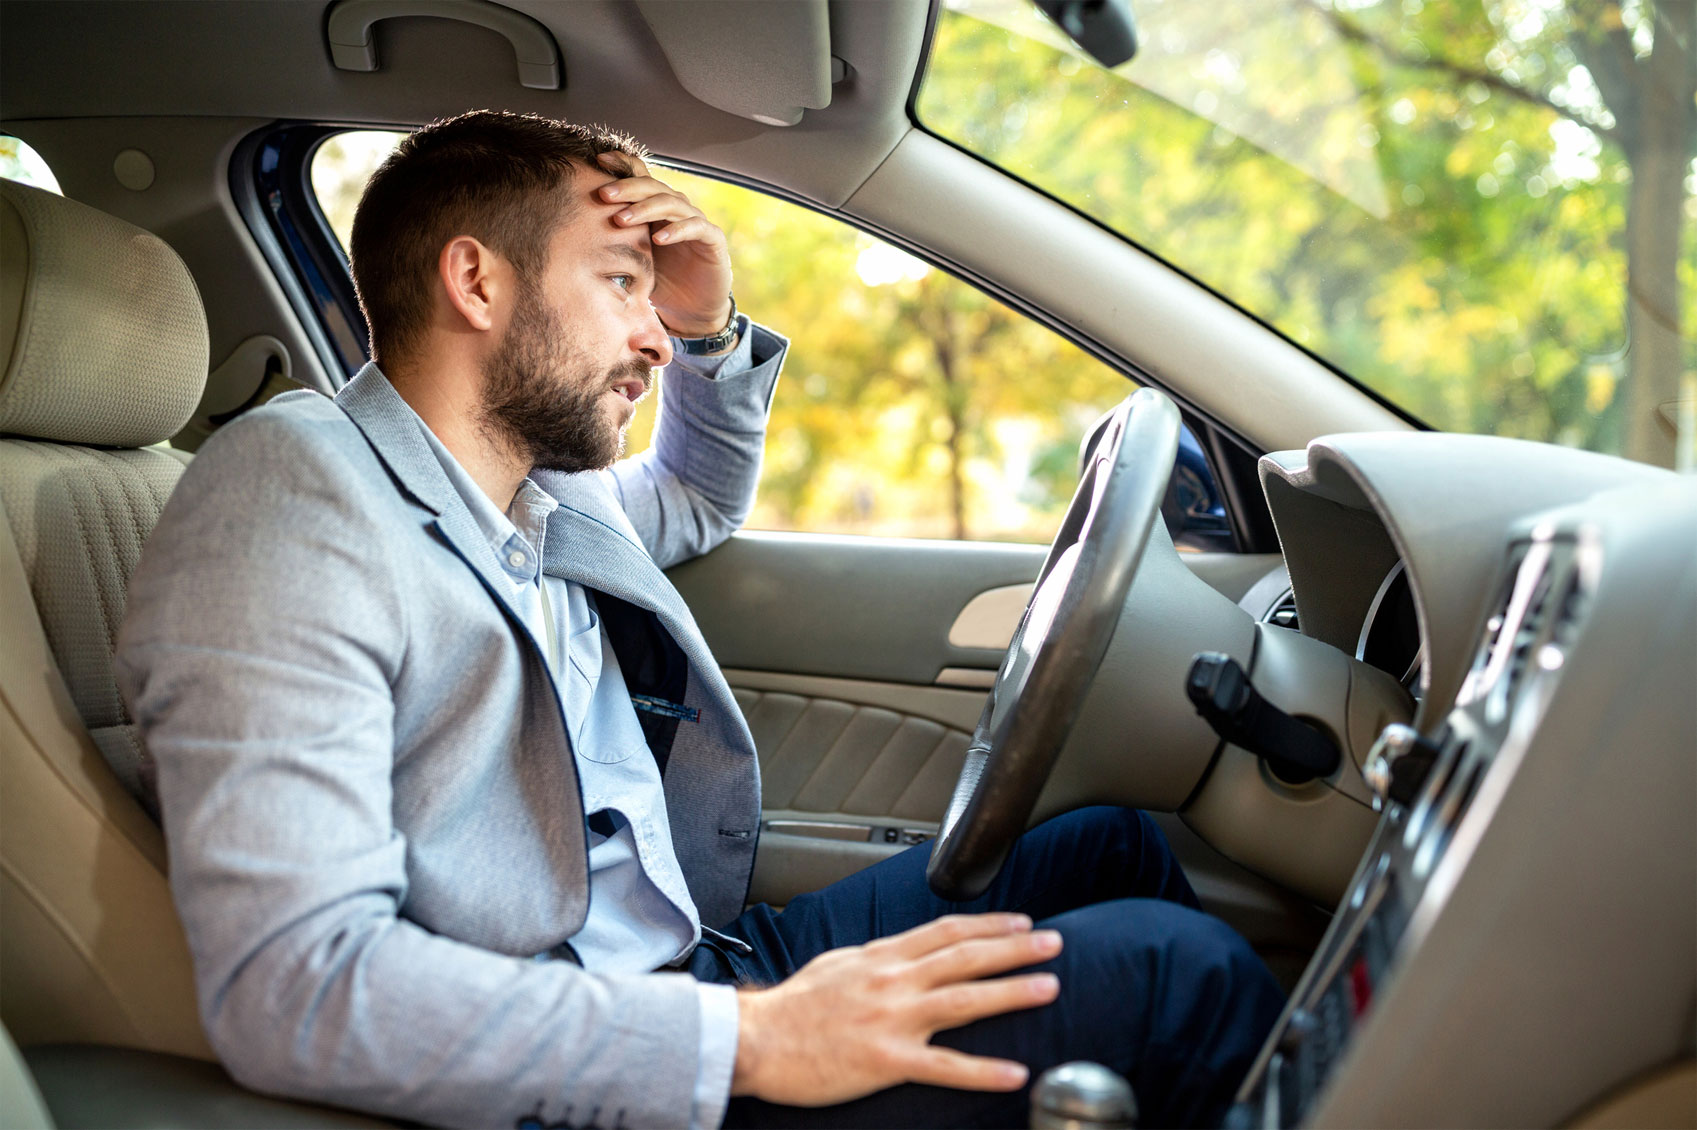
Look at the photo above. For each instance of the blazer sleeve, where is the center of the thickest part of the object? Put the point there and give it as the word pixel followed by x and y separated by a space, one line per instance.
pixel 266 623
pixel 695 484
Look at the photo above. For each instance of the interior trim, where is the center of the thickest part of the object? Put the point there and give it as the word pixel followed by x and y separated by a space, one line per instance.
pixel 989 619
pixel 946 705
pixel 351 34
pixel 1664 1098
pixel 972 678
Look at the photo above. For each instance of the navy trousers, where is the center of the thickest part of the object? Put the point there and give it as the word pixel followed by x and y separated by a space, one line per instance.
pixel 1149 985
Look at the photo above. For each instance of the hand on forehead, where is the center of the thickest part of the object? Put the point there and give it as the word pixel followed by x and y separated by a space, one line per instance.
pixel 631 186
pixel 644 202
pixel 692 266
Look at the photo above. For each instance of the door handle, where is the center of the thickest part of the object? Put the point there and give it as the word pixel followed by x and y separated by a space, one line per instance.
pixel 353 46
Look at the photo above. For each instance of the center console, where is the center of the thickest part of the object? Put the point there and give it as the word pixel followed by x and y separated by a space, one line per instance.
pixel 1437 792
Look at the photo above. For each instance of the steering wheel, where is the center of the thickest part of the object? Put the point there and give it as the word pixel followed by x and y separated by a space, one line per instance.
pixel 1061 639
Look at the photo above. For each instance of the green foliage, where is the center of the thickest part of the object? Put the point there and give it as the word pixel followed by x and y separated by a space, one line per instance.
pixel 911 403
pixel 1389 182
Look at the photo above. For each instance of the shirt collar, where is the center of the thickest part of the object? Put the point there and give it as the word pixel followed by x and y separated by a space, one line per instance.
pixel 516 536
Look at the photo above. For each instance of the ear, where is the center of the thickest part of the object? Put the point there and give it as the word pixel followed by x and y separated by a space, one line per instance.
pixel 468 272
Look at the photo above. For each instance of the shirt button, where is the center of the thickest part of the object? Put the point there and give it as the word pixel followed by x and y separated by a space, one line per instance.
pixel 515 559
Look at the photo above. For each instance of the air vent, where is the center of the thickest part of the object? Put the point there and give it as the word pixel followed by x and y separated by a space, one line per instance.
pixel 1531 624
pixel 1494 624
pixel 1569 606
pixel 1283 612
pixel 1530 632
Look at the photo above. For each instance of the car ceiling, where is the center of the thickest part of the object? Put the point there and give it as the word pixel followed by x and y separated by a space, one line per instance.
pixel 190 79
pixel 271 59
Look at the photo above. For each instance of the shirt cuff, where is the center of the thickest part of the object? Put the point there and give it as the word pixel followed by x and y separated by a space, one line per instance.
pixel 739 358
pixel 718 1055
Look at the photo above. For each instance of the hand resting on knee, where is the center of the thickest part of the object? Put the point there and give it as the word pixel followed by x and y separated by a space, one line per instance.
pixel 859 1019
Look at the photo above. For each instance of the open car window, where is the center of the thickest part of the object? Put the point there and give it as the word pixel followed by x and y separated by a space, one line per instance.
pixel 912 405
pixel 19 162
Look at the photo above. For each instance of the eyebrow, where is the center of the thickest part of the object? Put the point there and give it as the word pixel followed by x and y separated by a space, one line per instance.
pixel 633 255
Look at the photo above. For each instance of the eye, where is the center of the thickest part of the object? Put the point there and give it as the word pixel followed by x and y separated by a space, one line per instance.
pixel 624 282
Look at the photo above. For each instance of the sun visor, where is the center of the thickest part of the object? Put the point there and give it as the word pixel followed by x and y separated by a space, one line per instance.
pixel 752 58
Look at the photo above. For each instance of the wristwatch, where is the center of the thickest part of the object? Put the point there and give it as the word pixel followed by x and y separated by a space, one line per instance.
pixel 717 343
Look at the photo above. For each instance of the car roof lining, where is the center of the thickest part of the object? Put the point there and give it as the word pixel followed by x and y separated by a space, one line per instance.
pixel 272 61
pixel 861 157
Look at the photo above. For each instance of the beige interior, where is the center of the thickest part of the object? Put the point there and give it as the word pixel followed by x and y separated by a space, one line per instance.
pixel 103 306
pixel 1557 973
pixel 1562 905
pixel 1665 1099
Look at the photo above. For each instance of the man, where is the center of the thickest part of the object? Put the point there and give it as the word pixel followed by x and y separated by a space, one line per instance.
pixel 454 792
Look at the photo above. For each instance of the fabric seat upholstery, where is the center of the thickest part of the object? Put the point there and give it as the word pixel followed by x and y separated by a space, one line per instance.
pixel 104 342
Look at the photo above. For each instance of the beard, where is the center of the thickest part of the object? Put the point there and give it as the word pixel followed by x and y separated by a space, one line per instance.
pixel 545 399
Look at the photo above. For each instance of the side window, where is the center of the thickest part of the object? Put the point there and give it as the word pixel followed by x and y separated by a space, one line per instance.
pixel 21 163
pixel 912 404
pixel 340 168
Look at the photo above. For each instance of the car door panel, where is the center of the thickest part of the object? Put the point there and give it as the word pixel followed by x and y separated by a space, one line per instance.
pixel 840 651
pixel 858 608
pixel 827 755
pixel 884 609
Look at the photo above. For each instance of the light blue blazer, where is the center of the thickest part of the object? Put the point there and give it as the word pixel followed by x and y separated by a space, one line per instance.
pixel 369 798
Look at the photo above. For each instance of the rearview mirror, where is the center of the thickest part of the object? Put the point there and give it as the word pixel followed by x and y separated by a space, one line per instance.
pixel 1103 29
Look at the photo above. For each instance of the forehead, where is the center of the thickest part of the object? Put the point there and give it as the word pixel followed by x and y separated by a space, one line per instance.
pixel 590 229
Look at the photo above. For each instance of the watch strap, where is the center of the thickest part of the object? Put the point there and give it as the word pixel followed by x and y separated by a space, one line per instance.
pixel 714 343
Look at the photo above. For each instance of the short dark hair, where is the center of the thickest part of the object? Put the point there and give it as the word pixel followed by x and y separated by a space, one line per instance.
pixel 500 178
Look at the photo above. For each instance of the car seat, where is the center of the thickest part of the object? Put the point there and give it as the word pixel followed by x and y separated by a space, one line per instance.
pixel 104 343
pixel 106 353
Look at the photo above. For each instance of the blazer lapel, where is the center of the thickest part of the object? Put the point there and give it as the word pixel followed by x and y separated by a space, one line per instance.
pixel 588 543
pixel 589 538
pixel 396 434
pixel 589 547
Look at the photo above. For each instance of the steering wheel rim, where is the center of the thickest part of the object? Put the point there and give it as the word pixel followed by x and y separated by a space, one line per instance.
pixel 1061 639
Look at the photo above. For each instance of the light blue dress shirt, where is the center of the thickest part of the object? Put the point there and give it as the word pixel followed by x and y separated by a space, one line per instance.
pixel 641 916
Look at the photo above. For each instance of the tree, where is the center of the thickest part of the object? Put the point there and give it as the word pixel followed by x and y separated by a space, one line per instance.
pixel 912 403
pixel 1649 109
pixel 1425 194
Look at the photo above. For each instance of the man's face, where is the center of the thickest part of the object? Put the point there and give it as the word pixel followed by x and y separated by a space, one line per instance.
pixel 581 344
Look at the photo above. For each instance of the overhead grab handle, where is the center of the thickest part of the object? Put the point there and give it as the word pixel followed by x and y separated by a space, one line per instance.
pixel 353 46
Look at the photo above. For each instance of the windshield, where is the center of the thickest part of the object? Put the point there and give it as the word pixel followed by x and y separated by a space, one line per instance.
pixel 1484 212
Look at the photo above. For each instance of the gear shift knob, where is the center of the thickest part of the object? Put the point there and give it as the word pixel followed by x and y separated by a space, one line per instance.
pixel 1082 1096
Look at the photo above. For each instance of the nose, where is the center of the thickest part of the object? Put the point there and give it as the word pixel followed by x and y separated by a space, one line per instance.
pixel 650 339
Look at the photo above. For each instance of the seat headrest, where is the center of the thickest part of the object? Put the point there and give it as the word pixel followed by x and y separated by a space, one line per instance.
pixel 101 328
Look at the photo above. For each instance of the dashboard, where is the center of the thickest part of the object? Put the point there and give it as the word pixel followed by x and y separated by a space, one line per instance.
pixel 1389 639
pixel 1518 936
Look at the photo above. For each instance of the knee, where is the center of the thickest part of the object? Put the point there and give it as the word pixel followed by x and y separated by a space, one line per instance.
pixel 1210 953
pixel 1128 830
pixel 1172 950
pixel 1178 1001
pixel 1111 819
